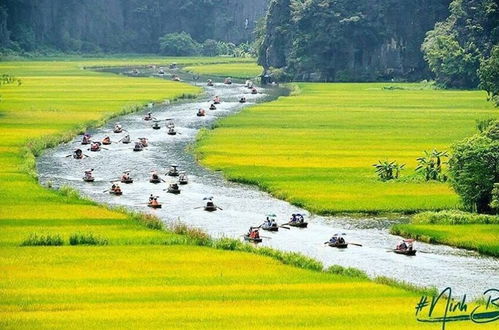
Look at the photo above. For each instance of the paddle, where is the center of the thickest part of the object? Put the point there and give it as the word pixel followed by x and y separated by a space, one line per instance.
pixel 199 207
pixel 356 244
pixel 282 226
pixel 221 209
pixel 105 191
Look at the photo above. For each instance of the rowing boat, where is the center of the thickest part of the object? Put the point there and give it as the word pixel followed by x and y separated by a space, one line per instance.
pixel 254 240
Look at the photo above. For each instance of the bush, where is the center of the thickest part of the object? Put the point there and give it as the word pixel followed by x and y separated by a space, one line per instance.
pixel 195 235
pixel 346 271
pixel 454 218
pixel 86 239
pixel 428 291
pixel 43 240
pixel 179 44
pixel 473 168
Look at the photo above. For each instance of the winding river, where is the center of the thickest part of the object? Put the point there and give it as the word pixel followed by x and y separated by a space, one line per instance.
pixel 244 206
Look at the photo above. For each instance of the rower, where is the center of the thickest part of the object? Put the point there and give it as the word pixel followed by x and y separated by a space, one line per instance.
pixel 88 175
pixel 125 176
pixel 254 91
pixel 253 233
pixel 86 139
pixel 148 116
pixel 154 175
pixel 143 141
pixel 118 128
pixel 228 81
pixel 213 107
pixel 201 112
pixel 78 154
pixel 210 82
pixel 106 140
pixel 153 201
pixel 151 198
pixel 95 146
pixel 242 100
pixel 217 100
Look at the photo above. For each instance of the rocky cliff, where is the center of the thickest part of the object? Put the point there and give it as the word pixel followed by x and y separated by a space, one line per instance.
pixel 349 40
pixel 124 25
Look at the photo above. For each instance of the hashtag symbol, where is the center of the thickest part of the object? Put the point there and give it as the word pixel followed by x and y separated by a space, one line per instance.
pixel 423 302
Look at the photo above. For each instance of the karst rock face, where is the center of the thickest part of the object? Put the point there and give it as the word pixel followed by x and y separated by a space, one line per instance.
pixel 342 40
pixel 125 25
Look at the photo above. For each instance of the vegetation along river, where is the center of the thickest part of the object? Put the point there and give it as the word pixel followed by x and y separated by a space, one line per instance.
pixel 244 206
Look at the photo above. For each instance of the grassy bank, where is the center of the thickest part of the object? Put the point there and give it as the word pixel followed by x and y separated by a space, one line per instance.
pixel 460 229
pixel 111 270
pixel 316 148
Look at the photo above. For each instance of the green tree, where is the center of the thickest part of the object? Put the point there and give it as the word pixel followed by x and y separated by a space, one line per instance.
pixel 210 48
pixel 178 44
pixel 387 170
pixel 489 75
pixel 474 168
pixel 430 166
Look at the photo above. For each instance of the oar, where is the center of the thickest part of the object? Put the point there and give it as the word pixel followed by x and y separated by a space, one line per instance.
pixel 104 148
pixel 282 226
pixel 266 237
pixel 356 244
pixel 68 156
pixel 162 180
pixel 105 190
pixel 86 155
pixel 221 209
pixel 200 207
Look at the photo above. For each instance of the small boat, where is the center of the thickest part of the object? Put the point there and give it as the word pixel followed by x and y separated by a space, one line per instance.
pixel 138 146
pixel 253 240
pixel 116 192
pixel 95 146
pixel 117 128
pixel 270 223
pixel 297 220
pixel 338 241
pixel 201 113
pixel 161 72
pixel 217 100
pixel 173 66
pixel 182 178
pixel 273 227
pixel 210 83
pixel 154 206
pixel 126 139
pixel 78 154
pixel 405 252
pixel 106 141
pixel 173 171
pixel 172 131
pixel 86 139
pixel 148 116
pixel 173 189
pixel 175 78
pixel 254 91
pixel 125 178
pixel 339 245
pixel 156 125
pixel 242 100
pixel 228 81
pixel 88 176
pixel 170 123
pixel 213 107
pixel 210 206
pixel 155 179
pixel 144 142
pixel 406 247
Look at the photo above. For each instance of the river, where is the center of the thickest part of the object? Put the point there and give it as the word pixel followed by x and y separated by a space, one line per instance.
pixel 244 206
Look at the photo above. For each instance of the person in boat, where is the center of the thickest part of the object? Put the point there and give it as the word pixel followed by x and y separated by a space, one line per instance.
pixel 334 240
pixel 273 223
pixel 155 175
pixel 138 146
pixel 213 107
pixel 217 100
pixel 148 116
pixel 86 139
pixel 201 112
pixel 143 141
pixel 402 246
pixel 95 146
pixel 161 71
pixel 88 174
pixel 153 201
pixel 253 233
pixel 242 99
pixel 151 198
pixel 106 140
pixel 135 71
pixel 125 176
pixel 341 240
pixel 254 91
pixel 210 82
pixel 228 81
pixel 118 128
pixel 116 188
pixel 126 139
pixel 78 154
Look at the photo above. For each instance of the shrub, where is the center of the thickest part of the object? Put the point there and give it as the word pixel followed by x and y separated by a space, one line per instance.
pixel 387 170
pixel 86 239
pixel 195 235
pixel 43 240
pixel 454 218
pixel 346 271
pixel 179 44
pixel 428 291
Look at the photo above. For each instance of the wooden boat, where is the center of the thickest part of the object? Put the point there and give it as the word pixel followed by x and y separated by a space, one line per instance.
pixel 254 91
pixel 147 118
pixel 210 83
pixel 127 181
pixel 173 171
pixel 116 193
pixel 182 179
pixel 155 180
pixel 173 189
pixel 228 81
pixel 210 206
pixel 253 240
pixel 171 131
pixel 156 126
pixel 138 147
pixel 201 113
pixel 88 179
pixel 78 154
pixel 154 206
pixel 85 140
pixel 213 107
pixel 106 141
pixel 117 130
pixel 126 140
pixel 270 228
pixel 242 100
pixel 298 224
pixel 338 245
pixel 406 252
pixel 95 147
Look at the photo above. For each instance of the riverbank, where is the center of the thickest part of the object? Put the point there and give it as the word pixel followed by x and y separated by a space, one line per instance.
pixel 138 279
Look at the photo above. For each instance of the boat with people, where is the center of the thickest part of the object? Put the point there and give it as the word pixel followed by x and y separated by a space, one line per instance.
pixel 138 146
pixel 201 113
pixel 148 117
pixel 228 81
pixel 171 131
pixel 161 71
pixel 144 142
pixel 154 178
pixel 78 154
pixel 337 241
pixel 254 91
pixel 95 146
pixel 248 84
pixel 115 190
pixel 117 128
pixel 170 123
pixel 126 178
pixel 126 139
pixel 182 178
pixel 156 125
pixel 106 140
pixel 212 107
pixel 88 176
pixel 86 139
pixel 242 100
pixel 406 247
pixel 270 223
pixel 210 83
pixel 175 78
pixel 217 100
pixel 173 188
pixel 153 202
pixel 297 220
pixel 173 66
pixel 210 205
pixel 173 171
pixel 253 235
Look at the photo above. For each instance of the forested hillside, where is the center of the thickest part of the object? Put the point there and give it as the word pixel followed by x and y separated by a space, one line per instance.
pixel 122 25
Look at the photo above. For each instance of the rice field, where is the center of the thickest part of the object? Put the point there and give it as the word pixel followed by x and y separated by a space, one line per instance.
pixel 316 148
pixel 142 278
